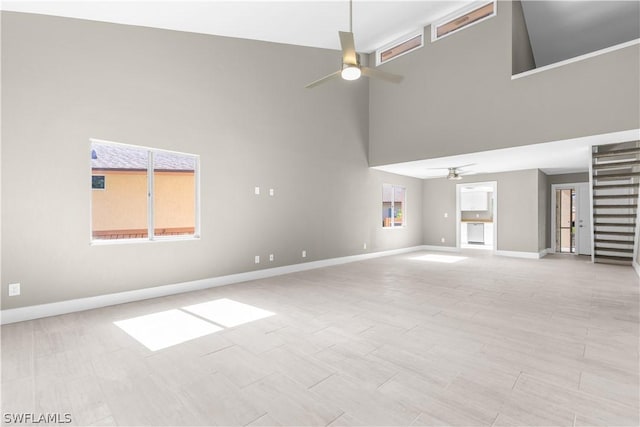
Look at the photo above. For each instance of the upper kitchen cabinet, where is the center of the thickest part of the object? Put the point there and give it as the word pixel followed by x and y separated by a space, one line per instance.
pixel 474 201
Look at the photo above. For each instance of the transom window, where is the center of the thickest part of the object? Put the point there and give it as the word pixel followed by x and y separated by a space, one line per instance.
pixel 151 194
pixel 393 206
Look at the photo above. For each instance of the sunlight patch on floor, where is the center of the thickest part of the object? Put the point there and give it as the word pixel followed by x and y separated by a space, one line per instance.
pixel 227 312
pixel 448 259
pixel 166 328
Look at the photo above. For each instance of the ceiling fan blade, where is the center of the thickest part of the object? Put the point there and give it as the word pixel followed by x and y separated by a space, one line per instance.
pixel 348 48
pixel 383 75
pixel 464 166
pixel 323 80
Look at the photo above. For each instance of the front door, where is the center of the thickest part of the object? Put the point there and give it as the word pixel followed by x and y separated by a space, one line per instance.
pixel 583 220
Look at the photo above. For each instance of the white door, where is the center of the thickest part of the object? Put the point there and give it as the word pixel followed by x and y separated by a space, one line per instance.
pixel 583 219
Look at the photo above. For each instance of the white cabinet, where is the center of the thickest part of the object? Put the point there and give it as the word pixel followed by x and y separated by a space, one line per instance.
pixel 474 201
pixel 488 233
pixel 466 236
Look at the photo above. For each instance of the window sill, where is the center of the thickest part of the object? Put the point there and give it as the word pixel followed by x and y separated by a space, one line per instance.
pixel 108 242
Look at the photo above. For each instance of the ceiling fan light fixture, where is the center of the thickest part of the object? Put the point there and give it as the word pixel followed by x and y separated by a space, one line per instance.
pixel 453 175
pixel 351 72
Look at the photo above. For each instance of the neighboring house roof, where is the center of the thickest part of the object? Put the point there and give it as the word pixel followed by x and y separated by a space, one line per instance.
pixel 110 156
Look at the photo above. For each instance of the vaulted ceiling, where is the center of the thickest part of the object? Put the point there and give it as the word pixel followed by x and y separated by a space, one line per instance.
pixel 301 22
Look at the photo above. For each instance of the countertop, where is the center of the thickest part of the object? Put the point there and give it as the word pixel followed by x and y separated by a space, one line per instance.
pixel 476 220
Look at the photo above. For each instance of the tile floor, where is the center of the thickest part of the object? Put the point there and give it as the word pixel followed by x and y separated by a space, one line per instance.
pixel 465 339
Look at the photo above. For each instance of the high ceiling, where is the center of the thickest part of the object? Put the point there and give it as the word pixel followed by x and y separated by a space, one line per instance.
pixel 301 22
pixel 551 25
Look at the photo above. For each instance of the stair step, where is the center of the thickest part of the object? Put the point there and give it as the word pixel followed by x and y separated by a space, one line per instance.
pixel 614 215
pixel 616 257
pixel 616 165
pixel 606 259
pixel 615 196
pixel 617 152
pixel 611 186
pixel 611 176
pixel 614 224
pixel 627 206
pixel 621 250
pixel 613 241
pixel 615 233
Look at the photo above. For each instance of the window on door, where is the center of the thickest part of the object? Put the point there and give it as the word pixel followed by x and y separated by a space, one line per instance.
pixel 393 206
pixel 565 220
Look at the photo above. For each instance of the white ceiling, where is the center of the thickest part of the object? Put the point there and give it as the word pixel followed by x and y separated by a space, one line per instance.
pixel 301 22
pixel 556 157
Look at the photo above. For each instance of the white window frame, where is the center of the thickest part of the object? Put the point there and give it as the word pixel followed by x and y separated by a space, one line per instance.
pixel 151 237
pixel 400 40
pixel 404 208
pixel 457 14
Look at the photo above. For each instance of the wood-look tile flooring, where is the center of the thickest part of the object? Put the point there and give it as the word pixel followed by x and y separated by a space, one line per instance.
pixel 394 341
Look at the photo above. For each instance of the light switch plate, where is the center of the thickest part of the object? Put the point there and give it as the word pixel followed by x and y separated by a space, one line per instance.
pixel 257 191
pixel 14 289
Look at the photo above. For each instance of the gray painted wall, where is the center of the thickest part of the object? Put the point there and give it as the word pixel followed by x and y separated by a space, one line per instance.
pixel 521 51
pixel 458 97
pixel 517 215
pixel 543 210
pixel 561 29
pixel 240 104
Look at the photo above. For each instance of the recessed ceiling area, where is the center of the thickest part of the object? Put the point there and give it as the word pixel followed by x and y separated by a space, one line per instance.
pixel 552 158
pixel 302 22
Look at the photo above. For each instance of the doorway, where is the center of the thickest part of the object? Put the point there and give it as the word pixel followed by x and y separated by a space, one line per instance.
pixel 565 236
pixel 477 216
pixel 570 219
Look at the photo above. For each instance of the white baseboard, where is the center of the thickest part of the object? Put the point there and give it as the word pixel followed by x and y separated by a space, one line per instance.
pixel 636 267
pixel 70 306
pixel 440 248
pixel 517 254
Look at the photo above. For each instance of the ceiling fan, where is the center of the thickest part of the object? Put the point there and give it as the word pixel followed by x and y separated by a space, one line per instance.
pixel 351 68
pixel 454 173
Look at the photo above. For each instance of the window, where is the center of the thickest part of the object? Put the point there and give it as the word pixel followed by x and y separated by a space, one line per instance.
pixel 462 19
pixel 400 47
pixel 152 194
pixel 97 182
pixel 393 206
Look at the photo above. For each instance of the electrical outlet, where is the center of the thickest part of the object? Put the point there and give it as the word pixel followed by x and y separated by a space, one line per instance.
pixel 364 246
pixel 257 260
pixel 442 240
pixel 271 257
pixel 14 289
pixel 272 192
pixel 304 254
pixel 256 191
